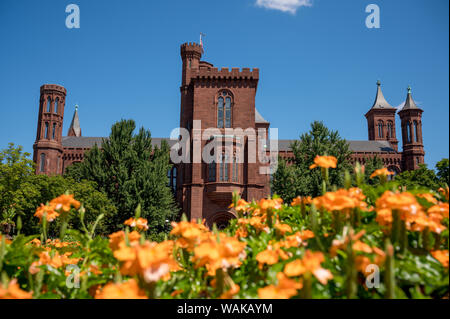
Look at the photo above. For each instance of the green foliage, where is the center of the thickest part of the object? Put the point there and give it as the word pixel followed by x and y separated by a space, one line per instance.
pixel 422 177
pixel 303 181
pixel 131 172
pixel 443 169
pixel 372 164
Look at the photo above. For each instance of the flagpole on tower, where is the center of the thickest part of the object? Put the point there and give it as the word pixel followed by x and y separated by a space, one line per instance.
pixel 201 41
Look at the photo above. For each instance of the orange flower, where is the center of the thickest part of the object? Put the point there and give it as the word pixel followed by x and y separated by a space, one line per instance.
pixel 301 200
pixel 50 212
pixel 225 252
pixel 151 260
pixel 439 209
pixel 283 228
pixel 126 290
pixel 234 290
pixel 64 203
pixel 444 192
pixel 428 197
pixel 270 256
pixel 54 260
pixel 341 200
pixel 13 291
pixel 7 241
pixel 190 233
pixel 310 263
pixel 381 172
pixel 285 289
pixel 140 223
pixel 118 238
pixel 442 256
pixel 241 207
pixel 272 204
pixel 176 292
pixel 324 162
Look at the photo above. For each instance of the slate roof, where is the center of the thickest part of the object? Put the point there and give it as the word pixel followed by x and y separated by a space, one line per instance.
pixel 259 118
pixel 355 146
pixel 409 103
pixel 89 142
pixel 380 101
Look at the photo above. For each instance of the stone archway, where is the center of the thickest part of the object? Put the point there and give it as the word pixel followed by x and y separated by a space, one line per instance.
pixel 221 219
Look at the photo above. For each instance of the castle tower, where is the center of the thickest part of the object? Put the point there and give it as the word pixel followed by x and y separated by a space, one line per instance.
pixel 411 118
pixel 48 149
pixel 381 120
pixel 220 100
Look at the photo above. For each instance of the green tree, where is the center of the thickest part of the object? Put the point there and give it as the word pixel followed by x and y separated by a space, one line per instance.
pixel 284 182
pixel 422 177
pixel 442 168
pixel 371 165
pixel 318 141
pixel 131 172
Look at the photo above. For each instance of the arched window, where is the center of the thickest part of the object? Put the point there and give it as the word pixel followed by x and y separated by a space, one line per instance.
pixel 408 132
pixel 46 131
pixel 390 130
pixel 49 104
pixel 380 129
pixel 416 131
pixel 56 105
pixel 224 104
pixel 172 179
pixel 42 163
pixel 54 131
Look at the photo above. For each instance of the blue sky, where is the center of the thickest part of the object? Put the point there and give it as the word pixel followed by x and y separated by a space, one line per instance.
pixel 317 61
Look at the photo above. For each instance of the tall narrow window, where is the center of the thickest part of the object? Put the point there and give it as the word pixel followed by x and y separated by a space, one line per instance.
pixel 220 113
pixel 42 163
pixel 56 105
pixel 225 173
pixel 390 130
pixel 212 171
pixel 49 104
pixel 46 131
pixel 224 105
pixel 228 112
pixel 408 132
pixel 174 179
pixel 235 169
pixel 380 129
pixel 54 131
pixel 416 131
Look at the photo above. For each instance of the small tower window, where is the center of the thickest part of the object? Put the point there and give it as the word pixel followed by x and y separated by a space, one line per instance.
pixel 42 163
pixel 416 131
pixel 49 104
pixel 390 130
pixel 46 131
pixel 380 129
pixel 224 105
pixel 54 131
pixel 56 105
pixel 408 132
pixel 223 174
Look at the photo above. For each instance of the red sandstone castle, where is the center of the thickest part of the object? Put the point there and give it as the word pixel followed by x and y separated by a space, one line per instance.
pixel 223 99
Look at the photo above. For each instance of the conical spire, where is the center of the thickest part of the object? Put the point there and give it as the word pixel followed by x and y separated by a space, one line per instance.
pixel 409 104
pixel 380 101
pixel 75 128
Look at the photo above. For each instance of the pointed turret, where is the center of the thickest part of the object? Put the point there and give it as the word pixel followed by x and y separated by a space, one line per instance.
pixel 381 120
pixel 409 103
pixel 380 101
pixel 413 150
pixel 75 128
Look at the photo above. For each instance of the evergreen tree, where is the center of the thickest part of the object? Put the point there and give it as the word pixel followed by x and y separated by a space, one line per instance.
pixel 131 172
pixel 318 141
pixel 442 168
pixel 422 177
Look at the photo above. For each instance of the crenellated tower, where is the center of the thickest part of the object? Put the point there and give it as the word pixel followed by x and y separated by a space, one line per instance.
pixel 411 119
pixel 381 120
pixel 48 149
